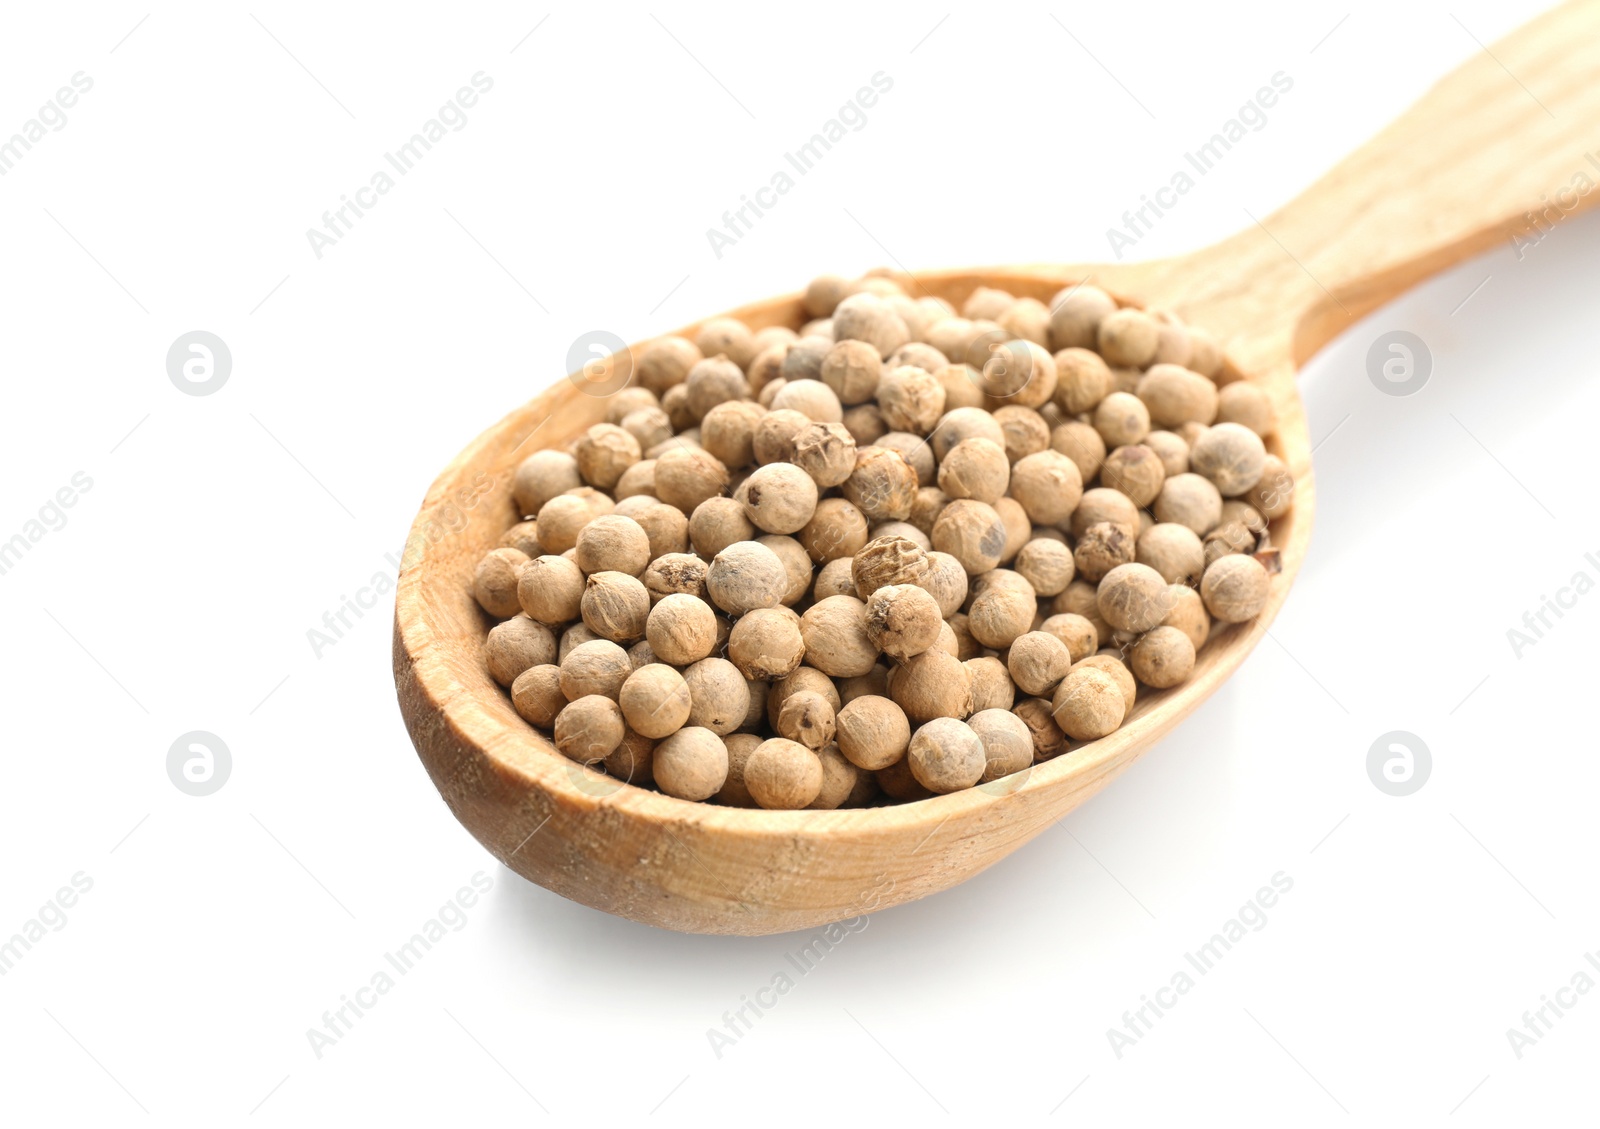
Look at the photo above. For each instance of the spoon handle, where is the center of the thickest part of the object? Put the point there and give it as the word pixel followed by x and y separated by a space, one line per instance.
pixel 1501 152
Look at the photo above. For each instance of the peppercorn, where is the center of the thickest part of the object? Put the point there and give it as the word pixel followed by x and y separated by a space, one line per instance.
pixel 664 363
pixel 598 666
pixel 1128 337
pixel 1234 588
pixel 946 755
pixel 902 620
pixel 1076 314
pixel 1007 742
pixel 494 582
pixel 1191 500
pixel 766 644
pixel 1048 485
pixel 1162 657
pixel 536 695
pixel 655 700
pixel 692 764
pixel 1173 550
pixel 811 398
pixel 613 544
pixel 783 775
pixel 916 452
pixel 1088 704
pixel 745 576
pixel 971 532
pixel 1046 564
pixel 975 468
pixel 806 718
pixel 615 606
pixel 1231 456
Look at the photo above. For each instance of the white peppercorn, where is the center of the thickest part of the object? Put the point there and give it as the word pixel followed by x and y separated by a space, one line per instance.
pixel 536 695
pixel 613 543
pixel 1007 742
pixel 564 516
pixel 596 667
pixel 655 701
pixel 971 532
pixel 728 432
pixel 1079 634
pixel 946 581
pixel 728 336
pixel 1037 661
pixel 916 452
pixel 615 606
pixel 811 398
pixel 1121 419
pixel 604 452
pixel 1190 500
pixel 1101 548
pixel 494 582
pixel 719 696
pixel 589 728
pixel 665 362
pixel 836 637
pixel 779 497
pixel 1162 657
pixel 840 779
pixel 540 477
pixel 902 620
pixel 1076 314
pixel 866 317
pixel 1088 704
pixel 826 452
pixel 687 476
pixel 681 629
pixel 1128 337
pixel 1025 430
pixel 1176 396
pixel 836 530
pixel 945 755
pixel 852 369
pixel 1136 471
pixel 717 523
pixel 692 764
pixel 775 435
pixel 675 572
pixel 766 644
pixel 1082 444
pixel 783 775
pixel 1173 550
pixel 807 718
pixel 975 468
pixel 1234 588
pixel 932 684
pixel 516 644
pixel 745 576
pixel 1048 485
pixel 550 589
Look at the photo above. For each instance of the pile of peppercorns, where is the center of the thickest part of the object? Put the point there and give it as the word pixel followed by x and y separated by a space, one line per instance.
pixel 897 552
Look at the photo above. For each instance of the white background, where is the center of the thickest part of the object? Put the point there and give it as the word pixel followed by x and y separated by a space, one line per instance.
pixel 219 530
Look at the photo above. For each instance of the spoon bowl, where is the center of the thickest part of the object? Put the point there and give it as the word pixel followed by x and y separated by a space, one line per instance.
pixel 1456 174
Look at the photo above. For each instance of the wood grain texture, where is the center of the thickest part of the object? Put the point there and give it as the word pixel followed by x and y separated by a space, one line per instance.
pixel 1456 174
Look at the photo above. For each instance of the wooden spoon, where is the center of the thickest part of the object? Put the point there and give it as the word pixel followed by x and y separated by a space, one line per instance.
pixel 1460 172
